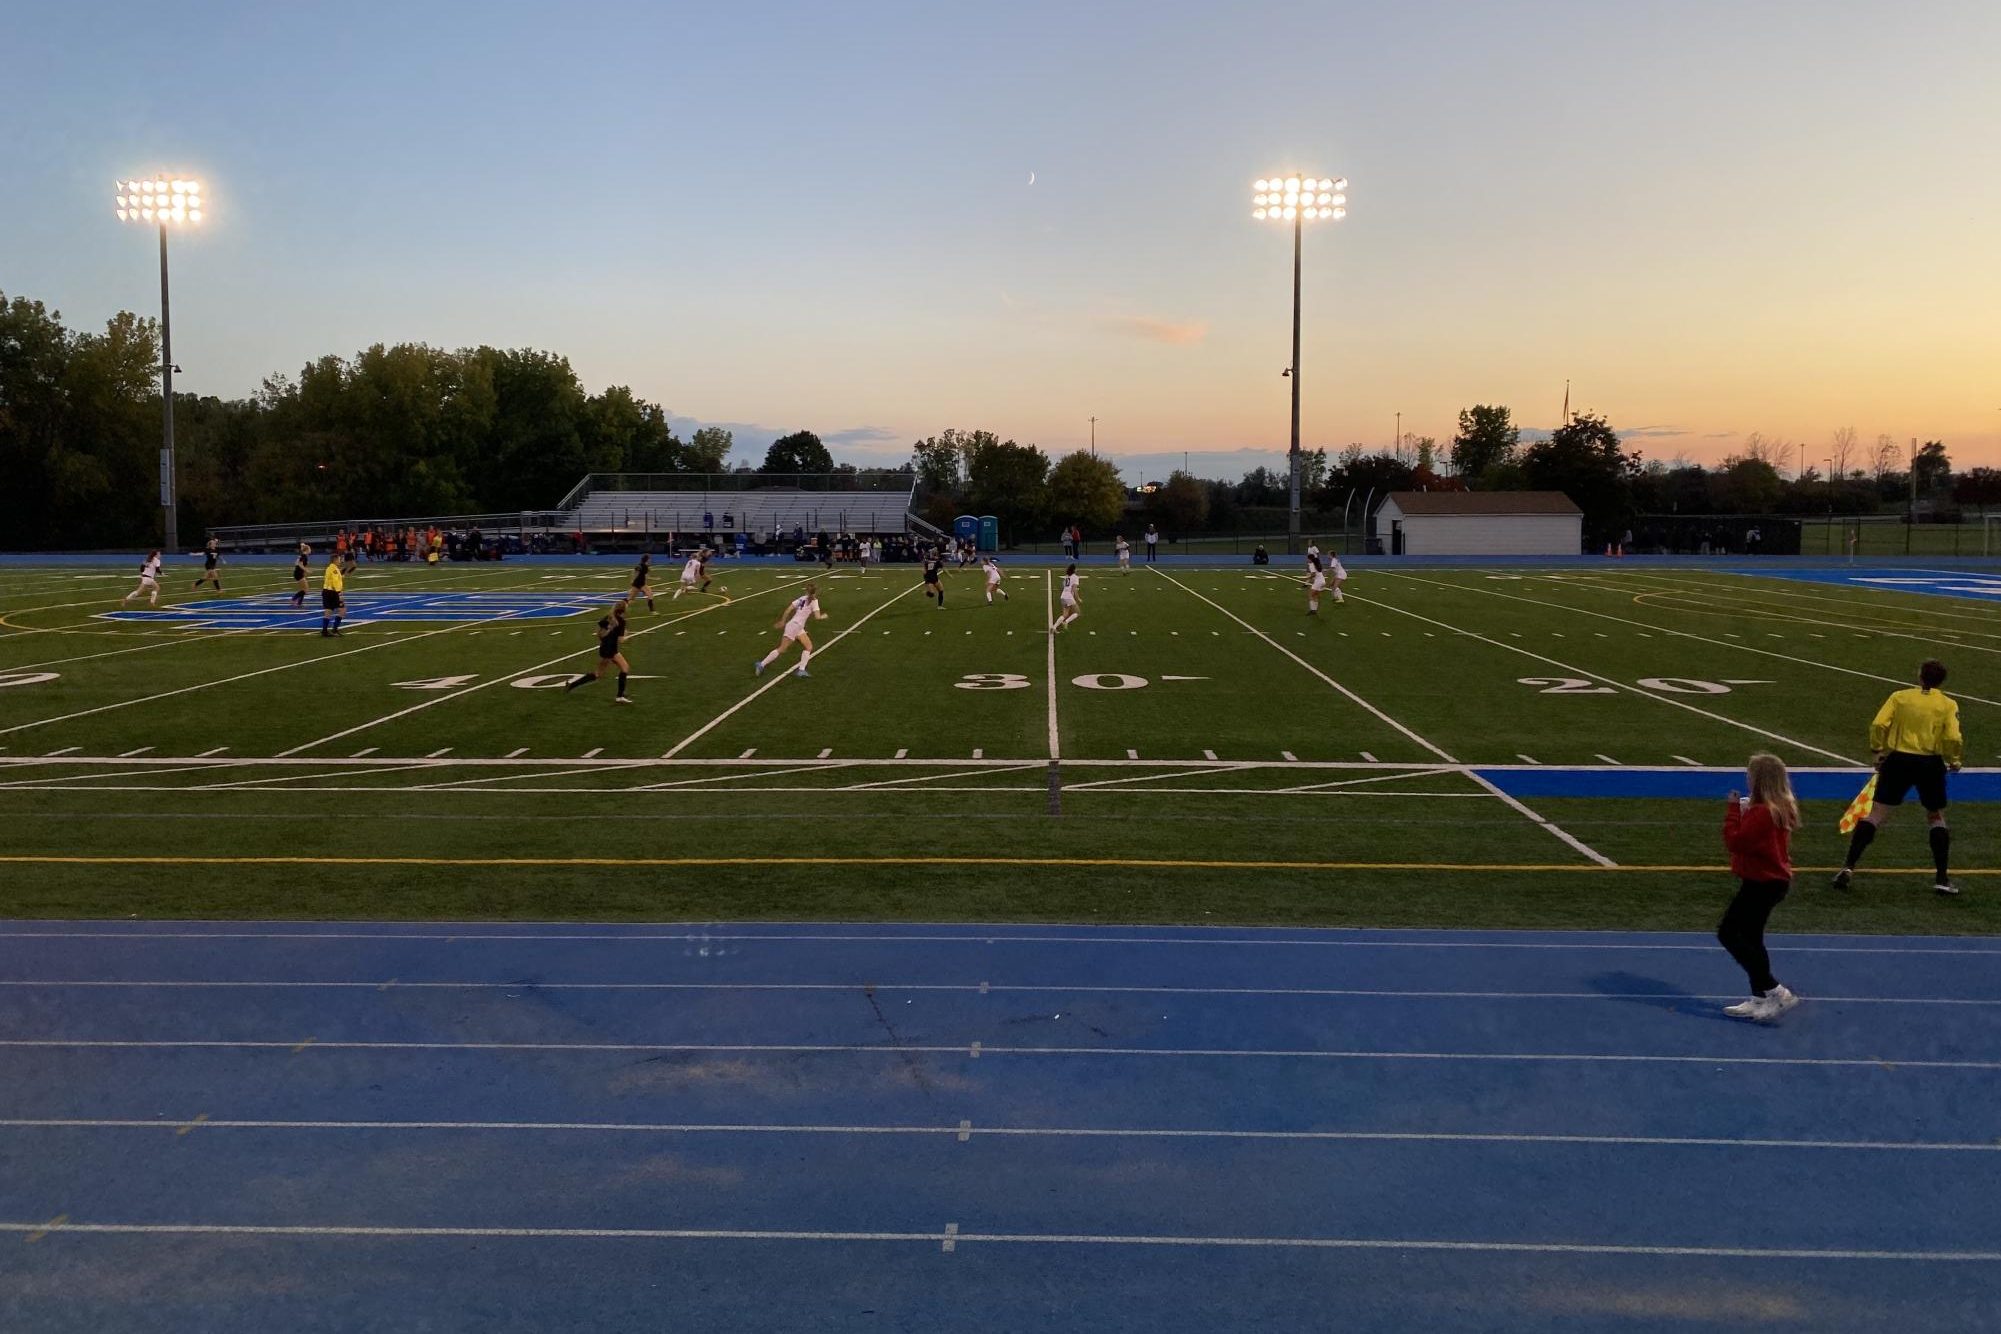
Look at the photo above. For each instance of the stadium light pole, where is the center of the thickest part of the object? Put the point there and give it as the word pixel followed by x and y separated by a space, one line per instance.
pixel 164 201
pixel 1297 200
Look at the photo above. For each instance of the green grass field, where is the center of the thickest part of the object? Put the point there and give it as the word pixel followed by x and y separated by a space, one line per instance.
pixel 1195 749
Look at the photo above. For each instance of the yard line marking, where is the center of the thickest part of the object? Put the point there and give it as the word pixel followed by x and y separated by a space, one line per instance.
pixel 1683 634
pixel 1608 759
pixel 1527 759
pixel 1365 755
pixel 1166 863
pixel 64 751
pixel 363 753
pixel 763 773
pixel 1358 782
pixel 230 680
pixel 903 753
pixel 498 680
pixel 748 753
pixel 439 753
pixel 592 753
pixel 269 782
pixel 217 751
pixel 991 1049
pixel 1049 611
pixel 979 753
pixel 778 678
pixel 965 1130
pixel 130 753
pixel 1208 754
pixel 49 783
pixel 1685 760
pixel 939 778
pixel 467 783
pixel 1285 754
pixel 62 1223
pixel 826 752
pixel 512 754
pixel 1752 728
pixel 1145 778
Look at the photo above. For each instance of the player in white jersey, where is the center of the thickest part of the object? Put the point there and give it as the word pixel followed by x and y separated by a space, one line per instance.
pixel 1312 552
pixel 149 581
pixel 1316 584
pixel 1071 599
pixel 1125 550
pixel 804 608
pixel 695 574
pixel 992 568
pixel 1333 564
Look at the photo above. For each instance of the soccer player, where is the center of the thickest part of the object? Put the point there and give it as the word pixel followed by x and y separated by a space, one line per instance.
pixel 1316 584
pixel 611 628
pixel 211 559
pixel 1340 575
pixel 1758 832
pixel 149 581
pixel 934 575
pixel 691 572
pixel 1070 598
pixel 804 608
pixel 1125 550
pixel 333 602
pixel 992 567
pixel 299 564
pixel 1917 742
pixel 642 580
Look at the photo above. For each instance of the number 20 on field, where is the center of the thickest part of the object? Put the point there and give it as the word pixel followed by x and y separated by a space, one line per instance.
pixel 1667 685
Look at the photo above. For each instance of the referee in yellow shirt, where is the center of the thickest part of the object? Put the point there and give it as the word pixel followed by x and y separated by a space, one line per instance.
pixel 332 605
pixel 1916 739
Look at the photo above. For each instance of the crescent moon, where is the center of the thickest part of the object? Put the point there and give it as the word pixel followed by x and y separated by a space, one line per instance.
pixel 1031 178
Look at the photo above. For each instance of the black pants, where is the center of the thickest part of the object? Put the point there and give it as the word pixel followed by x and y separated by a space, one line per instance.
pixel 1742 930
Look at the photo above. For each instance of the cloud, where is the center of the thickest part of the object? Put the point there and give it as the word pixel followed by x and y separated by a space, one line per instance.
pixel 1156 330
pixel 862 437
pixel 872 445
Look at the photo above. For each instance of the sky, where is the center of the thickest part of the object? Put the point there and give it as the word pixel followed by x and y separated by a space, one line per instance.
pixel 1710 218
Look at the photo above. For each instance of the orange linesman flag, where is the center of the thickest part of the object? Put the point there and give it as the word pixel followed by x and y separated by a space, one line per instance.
pixel 1858 809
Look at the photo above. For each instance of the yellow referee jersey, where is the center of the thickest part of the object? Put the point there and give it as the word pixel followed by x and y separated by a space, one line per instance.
pixel 330 577
pixel 1918 722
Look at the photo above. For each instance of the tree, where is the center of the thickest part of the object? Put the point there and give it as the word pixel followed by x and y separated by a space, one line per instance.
pixel 1263 486
pixel 939 462
pixel 1883 460
pixel 800 452
pixel 1747 486
pixel 1933 467
pixel 1086 490
pixel 1181 505
pixel 1582 459
pixel 1978 486
pixel 1775 450
pixel 1487 437
pixel 708 450
pixel 1841 449
pixel 1010 482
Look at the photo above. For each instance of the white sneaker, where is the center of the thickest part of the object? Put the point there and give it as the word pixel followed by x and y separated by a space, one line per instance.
pixel 1750 1009
pixel 1777 1001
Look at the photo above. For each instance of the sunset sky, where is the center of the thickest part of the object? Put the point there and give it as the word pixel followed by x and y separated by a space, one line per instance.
pixel 1713 218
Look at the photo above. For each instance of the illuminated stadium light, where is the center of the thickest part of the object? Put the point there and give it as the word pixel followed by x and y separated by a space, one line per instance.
pixel 164 202
pixel 1297 200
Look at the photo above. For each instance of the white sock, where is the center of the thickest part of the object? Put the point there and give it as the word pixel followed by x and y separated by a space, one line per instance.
pixel 771 657
pixel 805 656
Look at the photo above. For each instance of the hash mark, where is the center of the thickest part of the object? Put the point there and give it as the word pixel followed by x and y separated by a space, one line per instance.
pixel 443 750
pixel 826 752
pixel 747 754
pixel 1697 764
pixel 902 753
pixel 592 753
pixel 1289 757
pixel 514 754
pixel 1365 755
pixel 1527 759
pixel 365 750
pixel 1132 754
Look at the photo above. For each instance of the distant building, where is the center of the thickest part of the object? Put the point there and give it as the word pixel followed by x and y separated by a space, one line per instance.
pixel 1480 523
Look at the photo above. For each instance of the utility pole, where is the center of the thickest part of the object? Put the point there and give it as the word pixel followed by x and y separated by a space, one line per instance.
pixel 1094 437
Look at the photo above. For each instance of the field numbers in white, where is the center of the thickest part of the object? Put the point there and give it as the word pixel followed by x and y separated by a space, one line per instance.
pixel 1567 685
pixel 1108 681
pixel 437 683
pixel 26 678
pixel 992 681
pixel 1667 685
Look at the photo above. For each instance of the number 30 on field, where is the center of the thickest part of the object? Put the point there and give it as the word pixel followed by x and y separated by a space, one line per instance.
pixel 1016 681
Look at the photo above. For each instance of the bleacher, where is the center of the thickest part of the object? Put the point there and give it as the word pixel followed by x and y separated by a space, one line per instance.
pixel 759 513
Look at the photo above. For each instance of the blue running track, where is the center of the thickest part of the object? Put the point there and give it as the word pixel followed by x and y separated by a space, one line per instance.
pixel 271 1126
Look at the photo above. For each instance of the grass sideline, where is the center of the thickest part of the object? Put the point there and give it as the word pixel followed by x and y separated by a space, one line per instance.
pixel 398 740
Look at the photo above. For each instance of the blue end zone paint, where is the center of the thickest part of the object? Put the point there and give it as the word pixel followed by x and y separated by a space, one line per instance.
pixel 1938 583
pixel 1808 784
pixel 277 612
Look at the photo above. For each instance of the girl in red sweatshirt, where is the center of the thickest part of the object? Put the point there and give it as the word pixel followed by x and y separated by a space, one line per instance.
pixel 1758 832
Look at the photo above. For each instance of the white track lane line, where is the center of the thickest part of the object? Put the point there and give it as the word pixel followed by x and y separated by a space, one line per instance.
pixel 1610 681
pixel 500 680
pixel 967 1131
pixel 901 1050
pixel 1493 789
pixel 1714 599
pixel 779 677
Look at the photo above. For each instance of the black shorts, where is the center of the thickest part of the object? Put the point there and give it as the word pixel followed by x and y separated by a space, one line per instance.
pixel 1899 773
pixel 606 652
pixel 930 576
pixel 330 599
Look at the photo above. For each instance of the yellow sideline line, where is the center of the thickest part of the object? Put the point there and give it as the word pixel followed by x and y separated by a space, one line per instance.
pixel 1137 862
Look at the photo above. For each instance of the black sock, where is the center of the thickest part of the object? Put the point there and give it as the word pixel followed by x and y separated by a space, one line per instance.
pixel 621 683
pixel 577 681
pixel 1941 846
pixel 1864 833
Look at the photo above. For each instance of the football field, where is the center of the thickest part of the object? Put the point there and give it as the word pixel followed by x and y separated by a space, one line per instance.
pixel 1488 745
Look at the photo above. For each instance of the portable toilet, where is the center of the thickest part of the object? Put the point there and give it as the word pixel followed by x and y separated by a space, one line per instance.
pixel 989 533
pixel 966 528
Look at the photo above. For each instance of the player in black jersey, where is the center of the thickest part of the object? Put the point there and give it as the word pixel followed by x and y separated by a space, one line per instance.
pixel 611 628
pixel 211 558
pixel 642 580
pixel 299 564
pixel 934 572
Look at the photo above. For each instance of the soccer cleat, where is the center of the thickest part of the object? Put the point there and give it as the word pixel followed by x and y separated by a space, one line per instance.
pixel 1944 885
pixel 621 699
pixel 757 668
pixel 1777 1001
pixel 1843 878
pixel 1745 1009
pixel 800 672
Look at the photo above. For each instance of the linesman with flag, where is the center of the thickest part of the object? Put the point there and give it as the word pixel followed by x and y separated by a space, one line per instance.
pixel 1917 742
